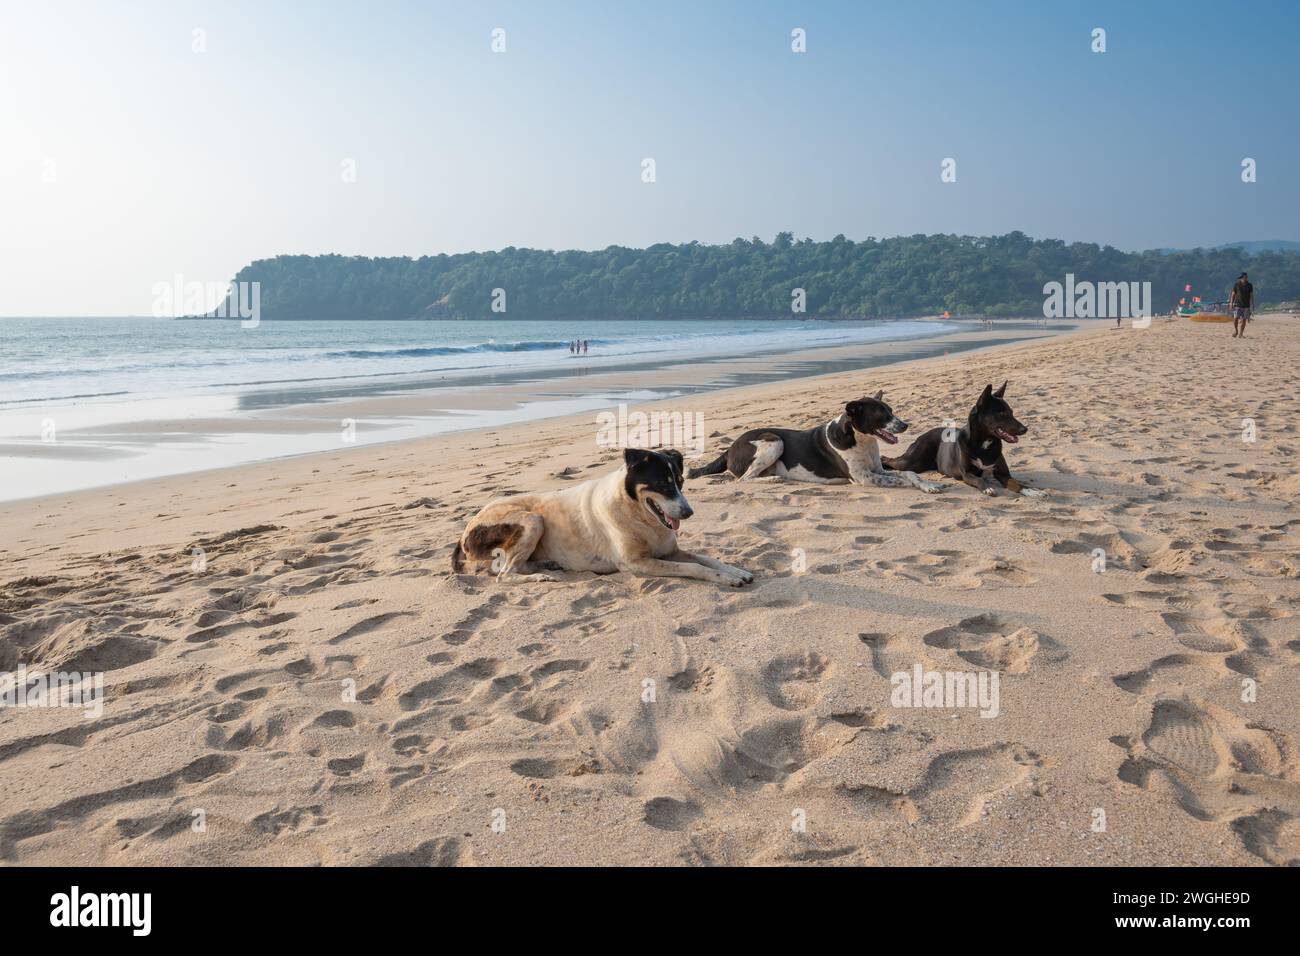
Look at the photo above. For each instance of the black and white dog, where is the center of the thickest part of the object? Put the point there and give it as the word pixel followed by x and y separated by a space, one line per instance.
pixel 972 454
pixel 841 451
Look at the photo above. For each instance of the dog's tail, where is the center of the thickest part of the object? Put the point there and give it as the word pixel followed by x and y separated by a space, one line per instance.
pixel 715 467
pixel 907 461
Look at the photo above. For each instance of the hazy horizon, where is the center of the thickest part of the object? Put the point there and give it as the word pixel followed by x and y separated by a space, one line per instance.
pixel 142 150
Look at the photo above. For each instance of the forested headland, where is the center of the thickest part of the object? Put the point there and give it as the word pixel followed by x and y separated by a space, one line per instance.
pixel 896 277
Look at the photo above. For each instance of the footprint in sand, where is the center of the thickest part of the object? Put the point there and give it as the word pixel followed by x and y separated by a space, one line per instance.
pixel 1214 764
pixel 768 753
pixel 766 556
pixel 960 786
pixel 1150 600
pixel 1255 607
pixel 550 669
pixel 669 813
pixel 988 641
pixel 1212 624
pixel 1173 672
pixel 254 734
pixel 956 569
pixel 1185 737
pixel 775 749
pixel 468 626
pixel 346 766
pixel 1206 630
pixel 929 567
pixel 537 768
pixel 693 679
pixel 277 821
pixel 791 680
pixel 442 851
pixel 1276 565
pixel 892 653
pixel 452 687
pixel 1120 553
pixel 1004 572
pixel 335 720
pixel 864 718
pixel 543 711
pixel 412 745
pixel 369 624
pixel 1271 835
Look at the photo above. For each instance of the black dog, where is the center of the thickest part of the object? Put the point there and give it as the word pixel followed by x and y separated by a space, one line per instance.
pixel 972 454
pixel 841 451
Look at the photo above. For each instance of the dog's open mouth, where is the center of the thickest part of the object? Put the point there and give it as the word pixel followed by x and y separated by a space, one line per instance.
pixel 886 436
pixel 1005 435
pixel 672 524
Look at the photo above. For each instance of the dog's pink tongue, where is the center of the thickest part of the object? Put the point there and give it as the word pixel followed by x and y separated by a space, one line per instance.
pixel 674 523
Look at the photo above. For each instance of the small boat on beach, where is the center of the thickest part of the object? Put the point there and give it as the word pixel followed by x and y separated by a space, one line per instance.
pixel 1198 311
pixel 1206 312
pixel 1211 316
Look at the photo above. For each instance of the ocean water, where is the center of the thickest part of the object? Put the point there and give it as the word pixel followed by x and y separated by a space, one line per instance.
pixel 96 360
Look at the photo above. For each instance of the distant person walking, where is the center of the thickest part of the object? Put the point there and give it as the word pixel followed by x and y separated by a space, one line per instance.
pixel 1241 302
pixel 584 346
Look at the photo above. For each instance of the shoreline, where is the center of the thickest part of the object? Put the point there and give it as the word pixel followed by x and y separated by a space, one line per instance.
pixel 192 435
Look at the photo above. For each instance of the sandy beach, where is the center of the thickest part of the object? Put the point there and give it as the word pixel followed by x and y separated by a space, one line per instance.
pixel 320 688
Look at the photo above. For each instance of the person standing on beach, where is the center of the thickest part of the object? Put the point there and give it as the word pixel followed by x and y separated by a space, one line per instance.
pixel 1241 302
pixel 584 346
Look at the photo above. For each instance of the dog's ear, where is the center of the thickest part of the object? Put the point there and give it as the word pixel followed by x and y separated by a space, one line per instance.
pixel 1000 392
pixel 984 395
pixel 632 456
pixel 879 395
pixel 675 455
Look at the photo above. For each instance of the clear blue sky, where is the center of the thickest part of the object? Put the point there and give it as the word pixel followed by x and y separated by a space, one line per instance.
pixel 169 161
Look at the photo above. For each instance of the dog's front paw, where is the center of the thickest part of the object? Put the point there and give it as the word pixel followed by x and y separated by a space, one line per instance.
pixel 745 576
pixel 931 487
pixel 1033 492
pixel 538 576
pixel 734 577
pixel 991 492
